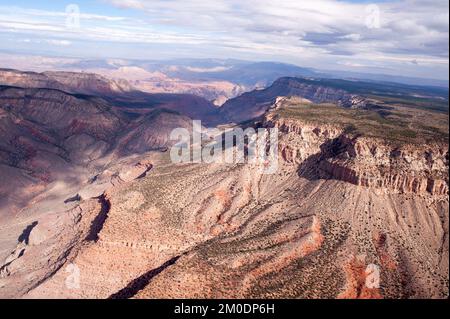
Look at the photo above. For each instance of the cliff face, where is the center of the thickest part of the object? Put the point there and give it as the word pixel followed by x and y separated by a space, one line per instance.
pixel 327 152
pixel 257 102
pixel 28 79
pixel 318 93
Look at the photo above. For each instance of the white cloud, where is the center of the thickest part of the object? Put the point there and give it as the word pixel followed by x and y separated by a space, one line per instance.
pixel 204 70
pixel 59 42
pixel 92 27
pixel 353 36
pixel 316 32
pixel 46 41
pixel 404 25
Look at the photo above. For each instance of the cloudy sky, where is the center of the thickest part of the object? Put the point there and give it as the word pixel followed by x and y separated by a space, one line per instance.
pixel 402 37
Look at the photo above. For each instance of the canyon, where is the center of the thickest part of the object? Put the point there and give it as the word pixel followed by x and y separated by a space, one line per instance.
pixel 93 207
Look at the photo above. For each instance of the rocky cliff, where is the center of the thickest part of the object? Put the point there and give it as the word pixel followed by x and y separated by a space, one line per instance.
pixel 257 102
pixel 326 151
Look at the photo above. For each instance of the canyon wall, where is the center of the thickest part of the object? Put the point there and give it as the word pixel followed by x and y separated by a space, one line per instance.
pixel 258 102
pixel 327 152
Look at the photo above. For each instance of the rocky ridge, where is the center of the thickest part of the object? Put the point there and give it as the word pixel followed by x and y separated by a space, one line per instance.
pixel 71 82
pixel 257 102
pixel 328 152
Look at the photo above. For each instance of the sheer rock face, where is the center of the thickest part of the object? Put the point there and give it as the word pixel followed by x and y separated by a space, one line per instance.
pixel 326 152
pixel 258 102
pixel 318 93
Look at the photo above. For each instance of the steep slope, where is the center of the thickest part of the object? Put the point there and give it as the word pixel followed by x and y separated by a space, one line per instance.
pixel 47 136
pixel 192 106
pixel 89 83
pixel 28 79
pixel 64 113
pixel 339 205
pixel 53 143
pixel 345 93
pixel 51 135
pixel 254 104
pixel 152 132
pixel 71 82
pixel 227 232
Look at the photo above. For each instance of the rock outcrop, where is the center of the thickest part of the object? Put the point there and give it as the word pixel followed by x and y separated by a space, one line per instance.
pixel 327 152
pixel 257 102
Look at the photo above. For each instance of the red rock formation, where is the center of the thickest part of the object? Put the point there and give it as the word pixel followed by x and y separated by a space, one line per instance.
pixel 363 161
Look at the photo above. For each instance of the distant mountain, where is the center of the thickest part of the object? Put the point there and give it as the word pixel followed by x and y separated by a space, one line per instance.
pixel 354 94
pixel 384 78
pixel 71 82
pixel 246 73
pixel 254 104
pixel 259 74
pixel 216 91
pixel 213 79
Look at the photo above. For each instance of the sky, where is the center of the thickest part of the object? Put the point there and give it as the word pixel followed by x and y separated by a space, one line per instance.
pixel 399 37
